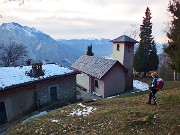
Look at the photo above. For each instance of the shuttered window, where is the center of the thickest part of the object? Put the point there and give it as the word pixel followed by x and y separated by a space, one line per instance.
pixel 117 47
pixel 96 83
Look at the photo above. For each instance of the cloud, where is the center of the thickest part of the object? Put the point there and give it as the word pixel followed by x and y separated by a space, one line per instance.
pixel 86 18
pixel 81 27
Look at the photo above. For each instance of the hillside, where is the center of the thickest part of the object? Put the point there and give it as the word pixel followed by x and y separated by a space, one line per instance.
pixel 125 114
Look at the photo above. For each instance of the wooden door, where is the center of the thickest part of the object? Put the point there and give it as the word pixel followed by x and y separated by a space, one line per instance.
pixel 3 116
pixel 53 93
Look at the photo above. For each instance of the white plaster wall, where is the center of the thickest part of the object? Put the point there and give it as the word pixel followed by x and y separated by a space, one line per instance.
pixel 100 89
pixel 118 55
pixel 83 80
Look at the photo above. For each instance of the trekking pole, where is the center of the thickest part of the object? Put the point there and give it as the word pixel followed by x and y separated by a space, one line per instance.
pixel 154 98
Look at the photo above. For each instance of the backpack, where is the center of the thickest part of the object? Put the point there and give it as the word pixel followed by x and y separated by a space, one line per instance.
pixel 160 83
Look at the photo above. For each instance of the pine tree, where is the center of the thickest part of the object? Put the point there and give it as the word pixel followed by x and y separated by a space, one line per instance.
pixel 173 48
pixel 89 50
pixel 146 58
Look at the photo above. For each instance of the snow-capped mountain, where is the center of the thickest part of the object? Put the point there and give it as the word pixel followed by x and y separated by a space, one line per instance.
pixel 40 46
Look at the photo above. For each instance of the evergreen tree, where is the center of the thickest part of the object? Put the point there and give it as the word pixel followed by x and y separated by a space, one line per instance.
pixel 173 48
pixel 89 50
pixel 146 58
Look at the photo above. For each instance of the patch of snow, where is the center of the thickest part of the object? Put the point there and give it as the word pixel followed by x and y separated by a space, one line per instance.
pixel 90 39
pixel 80 104
pixel 38 47
pixel 84 112
pixel 133 92
pixel 108 57
pixel 140 85
pixel 29 34
pixel 35 30
pixel 36 115
pixel 138 91
pixel 54 120
pixel 16 26
pixel 97 94
pixel 67 60
pixel 113 96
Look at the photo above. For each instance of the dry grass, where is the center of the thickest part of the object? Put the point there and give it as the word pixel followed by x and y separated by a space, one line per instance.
pixel 126 114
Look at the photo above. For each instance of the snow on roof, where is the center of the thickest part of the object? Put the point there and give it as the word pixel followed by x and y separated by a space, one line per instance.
pixel 16 75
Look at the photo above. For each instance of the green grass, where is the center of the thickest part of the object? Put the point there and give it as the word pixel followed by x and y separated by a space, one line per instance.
pixel 124 115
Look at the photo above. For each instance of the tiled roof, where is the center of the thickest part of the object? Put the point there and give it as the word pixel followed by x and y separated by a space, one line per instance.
pixel 94 66
pixel 123 38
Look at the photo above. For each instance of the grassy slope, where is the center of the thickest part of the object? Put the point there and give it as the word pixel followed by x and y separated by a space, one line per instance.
pixel 126 114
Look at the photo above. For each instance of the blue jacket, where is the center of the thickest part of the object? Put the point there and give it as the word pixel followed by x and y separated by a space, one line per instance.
pixel 154 83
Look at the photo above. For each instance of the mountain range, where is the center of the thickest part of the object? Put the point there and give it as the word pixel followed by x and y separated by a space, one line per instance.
pixel 41 46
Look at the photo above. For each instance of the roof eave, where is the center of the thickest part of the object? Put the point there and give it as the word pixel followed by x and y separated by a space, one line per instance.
pixel 123 41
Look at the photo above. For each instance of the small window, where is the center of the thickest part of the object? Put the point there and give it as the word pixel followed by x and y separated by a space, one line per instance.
pixel 96 83
pixel 117 47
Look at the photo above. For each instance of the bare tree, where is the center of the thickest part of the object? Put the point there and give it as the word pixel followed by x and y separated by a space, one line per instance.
pixel 11 53
pixel 21 2
pixel 133 31
pixel 164 68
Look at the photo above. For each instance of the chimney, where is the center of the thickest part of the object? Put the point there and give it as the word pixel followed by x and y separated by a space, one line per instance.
pixel 28 62
pixel 37 70
pixel 89 50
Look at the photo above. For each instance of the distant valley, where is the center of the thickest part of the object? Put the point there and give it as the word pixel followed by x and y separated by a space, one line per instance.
pixel 100 47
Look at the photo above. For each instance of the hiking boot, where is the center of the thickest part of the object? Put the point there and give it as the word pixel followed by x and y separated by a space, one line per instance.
pixel 154 103
pixel 148 102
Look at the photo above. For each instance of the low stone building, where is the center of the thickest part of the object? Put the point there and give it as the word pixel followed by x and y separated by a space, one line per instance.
pixel 22 90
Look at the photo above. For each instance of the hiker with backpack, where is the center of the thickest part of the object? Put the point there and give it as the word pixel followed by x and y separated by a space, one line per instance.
pixel 157 83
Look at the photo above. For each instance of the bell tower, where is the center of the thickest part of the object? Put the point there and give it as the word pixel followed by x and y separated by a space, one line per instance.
pixel 123 51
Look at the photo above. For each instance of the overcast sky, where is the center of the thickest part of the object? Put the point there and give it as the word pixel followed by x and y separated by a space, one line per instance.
pixel 66 19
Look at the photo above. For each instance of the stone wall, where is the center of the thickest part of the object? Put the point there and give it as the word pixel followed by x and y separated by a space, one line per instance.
pixel 23 99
